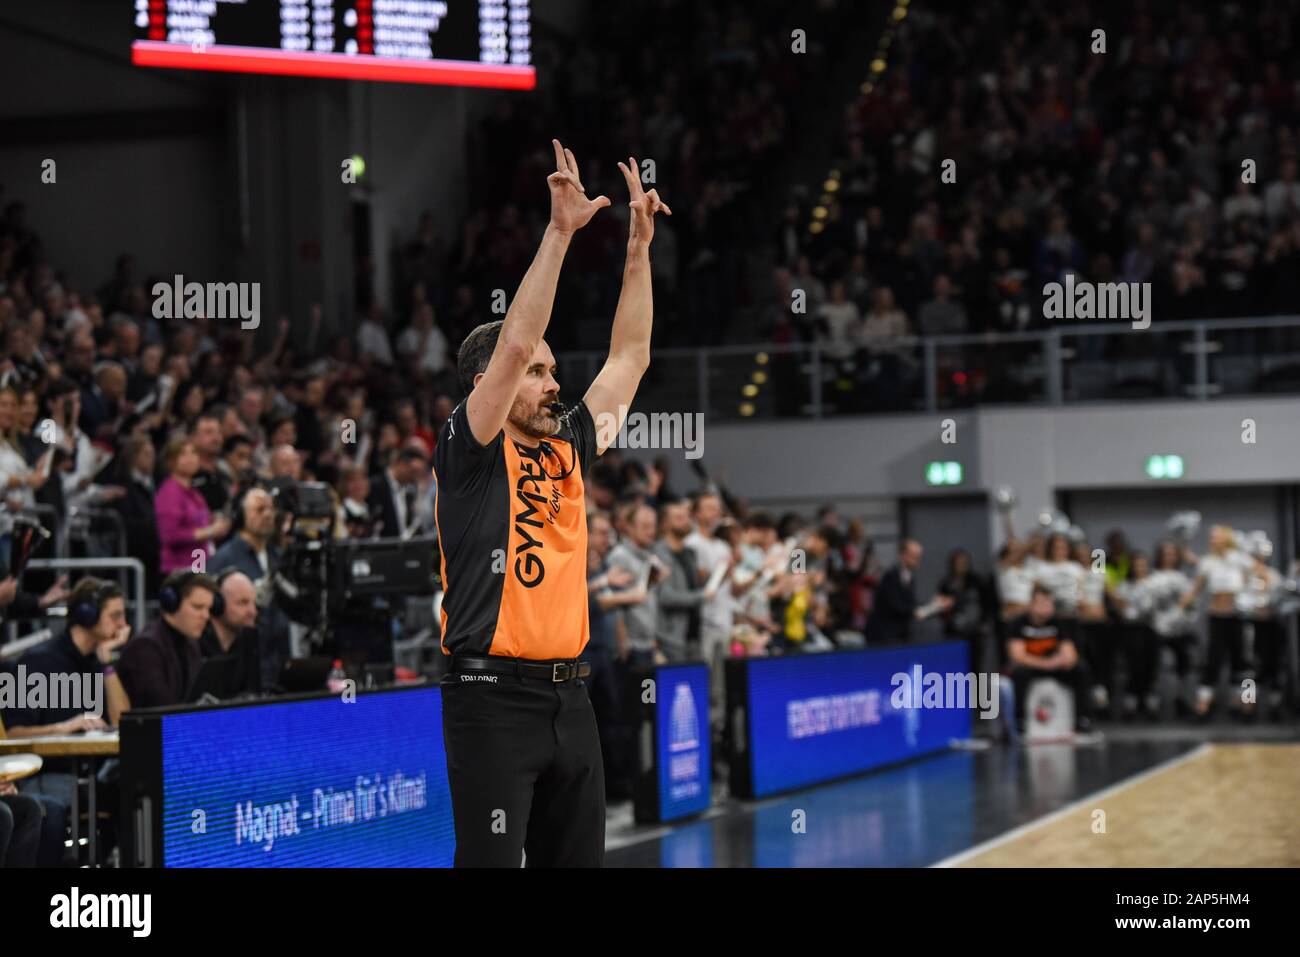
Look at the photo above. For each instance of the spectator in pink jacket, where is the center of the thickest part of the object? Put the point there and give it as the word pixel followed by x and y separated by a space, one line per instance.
pixel 184 523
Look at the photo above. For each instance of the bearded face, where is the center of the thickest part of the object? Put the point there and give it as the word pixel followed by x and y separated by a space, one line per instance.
pixel 535 416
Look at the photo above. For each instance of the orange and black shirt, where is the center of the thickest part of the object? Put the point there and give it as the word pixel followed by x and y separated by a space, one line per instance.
pixel 512 530
pixel 1040 640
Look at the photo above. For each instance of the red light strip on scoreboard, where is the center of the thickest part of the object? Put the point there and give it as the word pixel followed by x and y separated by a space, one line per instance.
pixel 236 59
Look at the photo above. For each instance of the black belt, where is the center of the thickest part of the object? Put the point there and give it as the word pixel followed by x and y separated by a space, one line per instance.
pixel 553 671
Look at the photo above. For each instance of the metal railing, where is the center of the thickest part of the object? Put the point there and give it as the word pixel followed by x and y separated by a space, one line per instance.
pixel 86 564
pixel 1195 359
pixel 85 524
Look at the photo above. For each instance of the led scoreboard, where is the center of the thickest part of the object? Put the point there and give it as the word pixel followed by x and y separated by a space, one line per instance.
pixel 454 42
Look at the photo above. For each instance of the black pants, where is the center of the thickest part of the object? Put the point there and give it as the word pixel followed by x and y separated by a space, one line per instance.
pixel 1181 646
pixel 1142 653
pixel 1226 642
pixel 1078 679
pixel 1097 641
pixel 1270 641
pixel 20 830
pixel 523 763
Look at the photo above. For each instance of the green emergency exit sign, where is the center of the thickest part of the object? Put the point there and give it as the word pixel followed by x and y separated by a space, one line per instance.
pixel 1165 466
pixel 943 473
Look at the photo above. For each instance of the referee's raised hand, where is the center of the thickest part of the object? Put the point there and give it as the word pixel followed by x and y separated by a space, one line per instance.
pixel 641 228
pixel 570 207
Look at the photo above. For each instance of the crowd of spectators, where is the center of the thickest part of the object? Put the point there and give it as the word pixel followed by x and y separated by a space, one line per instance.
pixel 1123 165
pixel 707 98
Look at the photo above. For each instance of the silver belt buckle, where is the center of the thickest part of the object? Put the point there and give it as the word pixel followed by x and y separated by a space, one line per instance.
pixel 555 671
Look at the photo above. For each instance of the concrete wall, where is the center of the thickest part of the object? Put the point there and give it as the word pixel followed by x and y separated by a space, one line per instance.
pixel 1037 451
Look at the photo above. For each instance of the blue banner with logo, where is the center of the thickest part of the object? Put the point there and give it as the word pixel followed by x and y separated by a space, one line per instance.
pixel 682 746
pixel 816 717
pixel 324 782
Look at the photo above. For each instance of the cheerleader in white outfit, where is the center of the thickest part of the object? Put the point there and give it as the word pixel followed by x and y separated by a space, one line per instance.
pixel 1135 600
pixel 1258 602
pixel 1015 581
pixel 1061 575
pixel 1221 574
pixel 1174 626
pixel 1096 638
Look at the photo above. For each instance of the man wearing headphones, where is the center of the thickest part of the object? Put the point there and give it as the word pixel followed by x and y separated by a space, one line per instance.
pixel 231 631
pixel 84 651
pixel 250 550
pixel 96 628
pixel 159 665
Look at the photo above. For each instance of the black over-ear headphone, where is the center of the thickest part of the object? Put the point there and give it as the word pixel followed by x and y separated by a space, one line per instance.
pixel 218 599
pixel 86 612
pixel 169 596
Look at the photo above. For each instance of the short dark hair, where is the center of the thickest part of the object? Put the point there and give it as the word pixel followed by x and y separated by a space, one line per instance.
pixel 64 385
pixel 760 520
pixel 1041 590
pixel 700 496
pixel 184 581
pixel 194 422
pixel 234 442
pixel 409 455
pixel 476 352
pixel 668 503
pixel 94 591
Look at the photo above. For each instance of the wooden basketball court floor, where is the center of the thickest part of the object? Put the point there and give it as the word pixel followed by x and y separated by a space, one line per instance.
pixel 1221 805
pixel 1157 799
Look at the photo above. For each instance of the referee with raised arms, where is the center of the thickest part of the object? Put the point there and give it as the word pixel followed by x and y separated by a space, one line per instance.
pixel 523 757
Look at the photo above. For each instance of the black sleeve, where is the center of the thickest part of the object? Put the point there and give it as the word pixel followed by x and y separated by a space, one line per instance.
pixel 894 596
pixel 988 597
pixel 13 716
pixel 24 605
pixel 580 429
pixel 459 456
pixel 141 671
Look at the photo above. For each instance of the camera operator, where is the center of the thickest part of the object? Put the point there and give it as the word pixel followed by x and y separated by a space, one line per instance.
pixel 252 550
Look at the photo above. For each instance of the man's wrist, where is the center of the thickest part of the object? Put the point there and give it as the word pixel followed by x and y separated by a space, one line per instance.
pixel 558 233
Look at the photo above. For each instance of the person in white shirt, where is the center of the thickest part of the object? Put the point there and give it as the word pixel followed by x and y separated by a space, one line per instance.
pixel 1282 197
pixel 372 338
pixel 1135 600
pixel 843 323
pixel 18 480
pixel 424 343
pixel 1173 625
pixel 718 613
pixel 1221 573
pixel 1096 638
pixel 1015 580
pixel 1243 202
pixel 1258 603
pixel 1063 577
pixel 79 487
